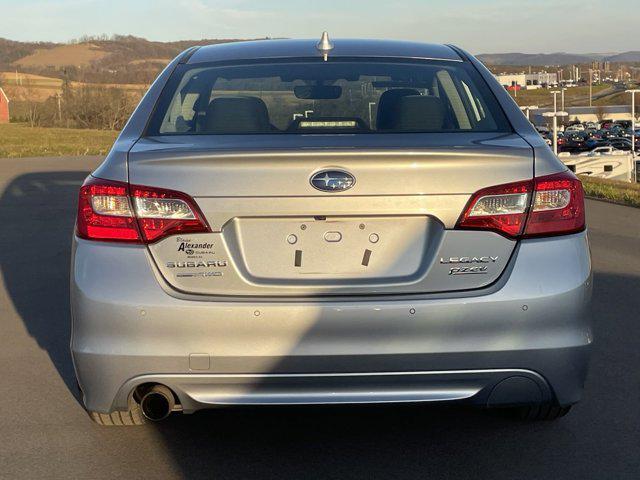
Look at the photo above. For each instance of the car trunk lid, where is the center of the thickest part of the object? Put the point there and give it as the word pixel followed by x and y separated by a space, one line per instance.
pixel 274 234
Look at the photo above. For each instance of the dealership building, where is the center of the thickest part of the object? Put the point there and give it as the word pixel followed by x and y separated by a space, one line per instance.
pixel 527 80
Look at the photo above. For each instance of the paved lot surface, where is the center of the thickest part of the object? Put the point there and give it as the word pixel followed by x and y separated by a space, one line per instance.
pixel 44 432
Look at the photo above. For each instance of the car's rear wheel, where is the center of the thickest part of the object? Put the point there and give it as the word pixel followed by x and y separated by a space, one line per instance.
pixel 131 417
pixel 541 412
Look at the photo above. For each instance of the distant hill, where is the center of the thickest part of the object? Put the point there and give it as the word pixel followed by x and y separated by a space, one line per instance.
pixel 79 55
pixel 11 51
pixel 118 59
pixel 559 58
pixel 533 58
pixel 129 59
pixel 625 57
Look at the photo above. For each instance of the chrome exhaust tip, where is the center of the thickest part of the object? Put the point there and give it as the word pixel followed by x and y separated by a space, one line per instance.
pixel 157 403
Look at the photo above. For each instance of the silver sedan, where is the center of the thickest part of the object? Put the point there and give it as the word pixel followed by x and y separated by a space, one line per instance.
pixel 348 221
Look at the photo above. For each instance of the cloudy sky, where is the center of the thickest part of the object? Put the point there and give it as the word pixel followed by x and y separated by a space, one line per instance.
pixel 480 26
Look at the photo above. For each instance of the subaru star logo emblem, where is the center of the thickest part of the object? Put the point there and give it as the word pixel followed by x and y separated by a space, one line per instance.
pixel 332 180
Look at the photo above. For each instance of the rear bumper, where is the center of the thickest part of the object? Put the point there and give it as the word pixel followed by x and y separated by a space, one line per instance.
pixel 525 340
pixel 481 387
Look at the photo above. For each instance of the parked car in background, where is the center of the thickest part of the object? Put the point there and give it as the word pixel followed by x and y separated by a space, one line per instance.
pixel 629 132
pixel 575 142
pixel 560 142
pixel 235 249
pixel 620 143
pixel 595 142
pixel 582 137
pixel 610 134
pixel 603 150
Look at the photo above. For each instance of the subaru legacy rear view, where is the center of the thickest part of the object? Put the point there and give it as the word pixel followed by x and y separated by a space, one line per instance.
pixel 335 222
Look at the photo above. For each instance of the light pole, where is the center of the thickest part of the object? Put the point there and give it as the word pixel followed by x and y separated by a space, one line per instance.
pixel 555 99
pixel 555 116
pixel 633 130
pixel 562 98
pixel 525 109
pixel 633 118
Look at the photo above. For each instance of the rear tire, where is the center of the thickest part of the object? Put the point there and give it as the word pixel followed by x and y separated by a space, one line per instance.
pixel 131 417
pixel 536 413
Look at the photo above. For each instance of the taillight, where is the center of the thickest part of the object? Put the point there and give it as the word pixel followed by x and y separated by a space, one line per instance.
pixel 105 213
pixel 163 212
pixel 115 211
pixel 558 206
pixel 549 205
pixel 501 209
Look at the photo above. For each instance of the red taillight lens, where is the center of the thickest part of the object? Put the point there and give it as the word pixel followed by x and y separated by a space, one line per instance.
pixel 557 207
pixel 116 211
pixel 501 209
pixel 104 212
pixel 163 212
pixel 549 205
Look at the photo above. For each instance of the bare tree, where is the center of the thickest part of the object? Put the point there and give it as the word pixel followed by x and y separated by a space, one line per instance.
pixel 29 96
pixel 90 107
pixel 120 105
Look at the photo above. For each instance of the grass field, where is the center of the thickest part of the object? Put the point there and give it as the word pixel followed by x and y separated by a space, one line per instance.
pixel 574 96
pixel 612 190
pixel 620 98
pixel 44 87
pixel 79 55
pixel 11 79
pixel 19 140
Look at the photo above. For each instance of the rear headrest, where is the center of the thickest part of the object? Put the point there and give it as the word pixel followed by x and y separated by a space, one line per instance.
pixel 388 106
pixel 236 115
pixel 418 113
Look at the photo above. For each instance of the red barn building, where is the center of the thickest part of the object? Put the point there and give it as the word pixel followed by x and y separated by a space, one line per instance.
pixel 4 107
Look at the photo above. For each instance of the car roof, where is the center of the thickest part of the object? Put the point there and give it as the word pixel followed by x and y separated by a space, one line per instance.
pixel 272 49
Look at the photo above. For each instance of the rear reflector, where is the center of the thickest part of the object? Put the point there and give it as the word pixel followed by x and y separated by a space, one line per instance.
pixel 115 211
pixel 549 205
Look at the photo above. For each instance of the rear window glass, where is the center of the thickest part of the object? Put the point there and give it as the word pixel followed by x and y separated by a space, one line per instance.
pixel 300 97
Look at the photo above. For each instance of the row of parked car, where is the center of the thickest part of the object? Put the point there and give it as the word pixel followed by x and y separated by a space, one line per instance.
pixel 582 137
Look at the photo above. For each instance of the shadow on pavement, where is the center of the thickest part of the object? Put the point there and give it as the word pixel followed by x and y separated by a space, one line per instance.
pixel 38 214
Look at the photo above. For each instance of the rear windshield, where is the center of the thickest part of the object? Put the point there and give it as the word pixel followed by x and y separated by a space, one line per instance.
pixel 300 97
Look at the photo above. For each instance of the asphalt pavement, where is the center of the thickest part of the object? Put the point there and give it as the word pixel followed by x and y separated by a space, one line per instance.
pixel 45 433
